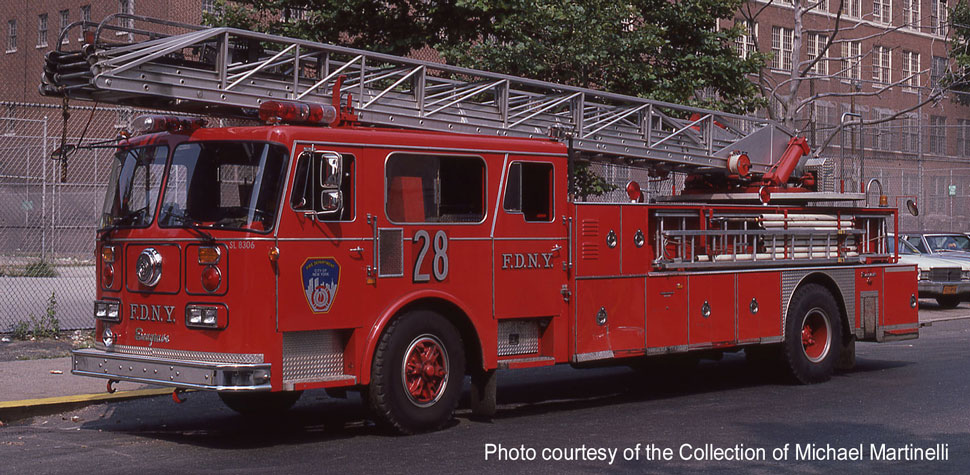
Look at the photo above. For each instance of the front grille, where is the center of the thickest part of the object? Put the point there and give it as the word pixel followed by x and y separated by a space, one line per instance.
pixel 945 274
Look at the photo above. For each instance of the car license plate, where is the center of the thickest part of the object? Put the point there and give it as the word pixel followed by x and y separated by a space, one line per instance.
pixel 949 289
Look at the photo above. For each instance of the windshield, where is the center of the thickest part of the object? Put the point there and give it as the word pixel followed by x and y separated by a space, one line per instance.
pixel 950 242
pixel 234 185
pixel 136 176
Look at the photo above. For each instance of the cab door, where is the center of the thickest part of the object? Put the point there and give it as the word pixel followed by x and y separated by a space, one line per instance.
pixel 325 242
pixel 529 245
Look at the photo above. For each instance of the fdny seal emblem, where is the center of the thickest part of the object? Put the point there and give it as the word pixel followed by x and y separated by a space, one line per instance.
pixel 320 280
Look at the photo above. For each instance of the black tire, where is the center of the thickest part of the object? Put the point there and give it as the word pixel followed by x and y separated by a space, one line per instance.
pixel 409 398
pixel 261 403
pixel 949 301
pixel 813 335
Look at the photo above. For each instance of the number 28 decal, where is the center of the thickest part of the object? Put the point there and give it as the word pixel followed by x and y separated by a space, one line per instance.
pixel 439 258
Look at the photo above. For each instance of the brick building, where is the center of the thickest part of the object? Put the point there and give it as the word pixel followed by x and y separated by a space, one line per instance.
pixel 886 58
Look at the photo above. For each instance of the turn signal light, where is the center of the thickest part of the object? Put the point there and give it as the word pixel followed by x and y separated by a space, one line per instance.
pixel 108 254
pixel 299 113
pixel 211 278
pixel 209 255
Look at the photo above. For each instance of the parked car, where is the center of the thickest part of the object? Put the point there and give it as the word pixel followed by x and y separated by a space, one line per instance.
pixel 945 279
pixel 940 244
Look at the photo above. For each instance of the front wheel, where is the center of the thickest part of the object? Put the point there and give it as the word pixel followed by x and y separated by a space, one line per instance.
pixel 813 335
pixel 417 373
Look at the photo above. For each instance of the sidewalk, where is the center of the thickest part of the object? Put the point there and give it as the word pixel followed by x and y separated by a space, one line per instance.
pixel 29 387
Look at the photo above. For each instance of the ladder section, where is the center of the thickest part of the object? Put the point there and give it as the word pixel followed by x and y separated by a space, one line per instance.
pixel 230 72
pixel 722 239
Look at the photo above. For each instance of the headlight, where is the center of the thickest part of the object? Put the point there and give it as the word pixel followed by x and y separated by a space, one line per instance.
pixel 203 316
pixel 965 275
pixel 107 310
pixel 920 275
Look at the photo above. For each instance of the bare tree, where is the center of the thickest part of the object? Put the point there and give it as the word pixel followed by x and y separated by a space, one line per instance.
pixel 792 80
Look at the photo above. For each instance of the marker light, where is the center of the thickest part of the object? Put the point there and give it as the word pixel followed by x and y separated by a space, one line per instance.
pixel 300 113
pixel 108 254
pixel 209 255
pixel 108 274
pixel 148 124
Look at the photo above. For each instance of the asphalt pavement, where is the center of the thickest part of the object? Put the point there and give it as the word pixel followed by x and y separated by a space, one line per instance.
pixel 46 386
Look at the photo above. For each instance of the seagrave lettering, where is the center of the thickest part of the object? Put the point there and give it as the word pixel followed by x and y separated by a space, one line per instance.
pixel 527 261
pixel 151 313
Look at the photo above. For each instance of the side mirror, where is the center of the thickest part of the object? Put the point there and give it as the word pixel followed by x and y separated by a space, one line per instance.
pixel 331 170
pixel 911 206
pixel 331 202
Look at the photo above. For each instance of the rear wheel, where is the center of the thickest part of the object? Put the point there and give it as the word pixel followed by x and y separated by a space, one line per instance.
pixel 417 373
pixel 949 301
pixel 813 335
pixel 261 403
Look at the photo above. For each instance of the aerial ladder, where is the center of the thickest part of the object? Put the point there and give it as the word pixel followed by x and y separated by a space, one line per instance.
pixel 727 158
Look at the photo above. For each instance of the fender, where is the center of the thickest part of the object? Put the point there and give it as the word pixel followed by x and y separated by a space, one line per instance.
pixel 392 310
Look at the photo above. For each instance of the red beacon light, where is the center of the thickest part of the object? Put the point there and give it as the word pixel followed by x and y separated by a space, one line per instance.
pixel 149 124
pixel 297 113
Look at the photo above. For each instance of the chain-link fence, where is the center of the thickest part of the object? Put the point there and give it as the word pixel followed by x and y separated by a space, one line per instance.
pixel 47 226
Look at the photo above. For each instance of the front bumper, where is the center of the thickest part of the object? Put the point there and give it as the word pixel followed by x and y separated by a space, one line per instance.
pixel 185 374
pixel 933 289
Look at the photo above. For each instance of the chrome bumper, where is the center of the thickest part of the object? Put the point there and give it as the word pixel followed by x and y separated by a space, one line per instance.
pixel 930 289
pixel 169 372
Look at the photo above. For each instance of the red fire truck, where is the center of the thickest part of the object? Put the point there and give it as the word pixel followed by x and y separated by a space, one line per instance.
pixel 391 226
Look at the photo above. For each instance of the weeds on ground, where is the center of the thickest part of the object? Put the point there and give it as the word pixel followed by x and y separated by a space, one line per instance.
pixel 45 326
pixel 40 269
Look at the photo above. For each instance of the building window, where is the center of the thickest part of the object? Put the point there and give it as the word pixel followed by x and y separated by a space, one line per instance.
pixel 209 6
pixel 964 131
pixel 937 134
pixel 881 64
pixel 42 30
pixel 747 42
pixel 127 7
pixel 822 6
pixel 882 11
pixel 782 40
pixel 909 134
pixel 816 43
pixel 911 71
pixel 937 70
pixel 85 17
pixel 852 8
pixel 938 17
pixel 65 20
pixel 911 13
pixel 884 131
pixel 851 60
pixel 11 36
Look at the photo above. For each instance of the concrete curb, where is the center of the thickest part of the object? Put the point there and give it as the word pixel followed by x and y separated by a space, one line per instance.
pixel 16 410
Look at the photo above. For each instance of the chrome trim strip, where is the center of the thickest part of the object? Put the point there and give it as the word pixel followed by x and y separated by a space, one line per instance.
pixel 598 355
pixel 441 149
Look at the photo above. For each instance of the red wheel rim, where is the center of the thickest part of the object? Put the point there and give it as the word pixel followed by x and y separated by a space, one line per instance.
pixel 815 335
pixel 425 370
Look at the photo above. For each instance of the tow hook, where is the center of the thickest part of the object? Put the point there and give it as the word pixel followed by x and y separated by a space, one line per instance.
pixel 177 396
pixel 111 386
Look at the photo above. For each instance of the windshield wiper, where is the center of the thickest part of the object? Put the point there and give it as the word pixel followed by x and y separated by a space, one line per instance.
pixel 190 223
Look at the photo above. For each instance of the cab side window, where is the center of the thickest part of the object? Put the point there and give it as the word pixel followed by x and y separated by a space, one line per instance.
pixel 529 191
pixel 434 189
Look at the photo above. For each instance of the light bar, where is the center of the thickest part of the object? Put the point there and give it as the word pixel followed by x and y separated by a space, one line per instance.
pixel 149 124
pixel 297 113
